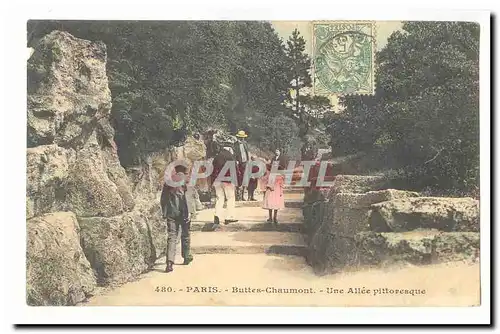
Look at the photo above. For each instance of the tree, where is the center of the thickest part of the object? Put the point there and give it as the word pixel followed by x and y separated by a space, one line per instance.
pixel 425 113
pixel 306 109
pixel 170 78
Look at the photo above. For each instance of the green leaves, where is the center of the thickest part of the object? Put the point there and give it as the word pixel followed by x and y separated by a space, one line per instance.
pixel 425 112
pixel 168 78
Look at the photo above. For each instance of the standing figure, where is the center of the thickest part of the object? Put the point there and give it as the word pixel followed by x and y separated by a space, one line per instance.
pixel 242 157
pixel 252 183
pixel 175 210
pixel 224 190
pixel 280 159
pixel 274 198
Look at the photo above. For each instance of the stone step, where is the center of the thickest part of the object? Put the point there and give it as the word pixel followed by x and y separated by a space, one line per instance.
pixel 251 219
pixel 292 203
pixel 293 190
pixel 245 225
pixel 220 242
pixel 289 203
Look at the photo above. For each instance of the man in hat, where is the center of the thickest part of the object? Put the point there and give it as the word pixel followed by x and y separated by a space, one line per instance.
pixel 242 157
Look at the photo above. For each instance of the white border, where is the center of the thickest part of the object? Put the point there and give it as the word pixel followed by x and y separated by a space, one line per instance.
pixel 14 157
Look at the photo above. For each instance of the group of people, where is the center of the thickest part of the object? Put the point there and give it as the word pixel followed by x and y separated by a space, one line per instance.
pixel 176 209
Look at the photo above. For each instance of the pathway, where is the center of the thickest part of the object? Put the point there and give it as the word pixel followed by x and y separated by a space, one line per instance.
pixel 233 263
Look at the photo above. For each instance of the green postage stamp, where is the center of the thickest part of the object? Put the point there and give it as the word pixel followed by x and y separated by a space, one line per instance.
pixel 343 54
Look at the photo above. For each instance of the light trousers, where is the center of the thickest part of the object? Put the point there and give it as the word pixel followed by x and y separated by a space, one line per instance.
pixel 224 192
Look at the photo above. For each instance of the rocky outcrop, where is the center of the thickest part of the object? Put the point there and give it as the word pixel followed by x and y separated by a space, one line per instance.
pixel 67 90
pixel 358 183
pixel 72 165
pixel 47 172
pixel 90 190
pixel 445 214
pixel 119 248
pixel 192 150
pixel 416 247
pixel 58 273
pixel 332 243
pixel 344 226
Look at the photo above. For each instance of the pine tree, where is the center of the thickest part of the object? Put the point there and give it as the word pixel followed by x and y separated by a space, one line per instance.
pixel 306 108
pixel 299 67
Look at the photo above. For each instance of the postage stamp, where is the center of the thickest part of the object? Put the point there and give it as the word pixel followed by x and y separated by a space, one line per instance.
pixel 343 54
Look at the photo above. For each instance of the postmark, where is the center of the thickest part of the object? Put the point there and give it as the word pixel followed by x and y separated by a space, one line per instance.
pixel 343 57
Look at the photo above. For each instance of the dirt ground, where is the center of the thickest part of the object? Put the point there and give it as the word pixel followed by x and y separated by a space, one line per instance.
pixel 221 279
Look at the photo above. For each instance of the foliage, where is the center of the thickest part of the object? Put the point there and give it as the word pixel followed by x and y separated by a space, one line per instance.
pixel 425 112
pixel 171 78
pixel 280 132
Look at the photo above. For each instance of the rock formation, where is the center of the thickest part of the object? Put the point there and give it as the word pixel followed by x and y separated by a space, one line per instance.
pixel 345 225
pixel 89 220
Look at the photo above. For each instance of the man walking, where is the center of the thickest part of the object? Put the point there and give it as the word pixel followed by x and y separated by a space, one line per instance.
pixel 175 210
pixel 224 189
pixel 242 157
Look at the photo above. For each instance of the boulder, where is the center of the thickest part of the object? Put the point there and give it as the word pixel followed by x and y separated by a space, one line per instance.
pixel 116 174
pixel 119 248
pixel 47 171
pixel 445 214
pixel 416 247
pixel 386 248
pixel 90 192
pixel 332 245
pixel 67 90
pixel 456 246
pixel 150 210
pixel 358 183
pixel 352 210
pixel 57 271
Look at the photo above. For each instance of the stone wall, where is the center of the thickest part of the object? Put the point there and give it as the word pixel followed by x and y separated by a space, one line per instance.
pixel 356 223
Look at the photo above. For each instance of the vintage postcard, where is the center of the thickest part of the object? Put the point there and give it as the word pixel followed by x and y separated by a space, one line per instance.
pixel 328 163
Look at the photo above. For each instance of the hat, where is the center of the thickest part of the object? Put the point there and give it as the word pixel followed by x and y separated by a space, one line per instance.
pixel 241 134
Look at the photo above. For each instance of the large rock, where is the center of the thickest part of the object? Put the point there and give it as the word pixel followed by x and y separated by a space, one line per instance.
pixel 72 165
pixel 358 183
pixel 192 150
pixel 406 214
pixel 351 211
pixel 456 246
pixel 150 211
pixel 332 243
pixel 90 191
pixel 57 271
pixel 119 248
pixel 386 248
pixel 416 247
pixel 47 171
pixel 67 90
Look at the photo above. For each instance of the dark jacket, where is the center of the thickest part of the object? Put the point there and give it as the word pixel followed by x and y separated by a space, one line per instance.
pixel 174 203
pixel 282 161
pixel 219 163
pixel 239 153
